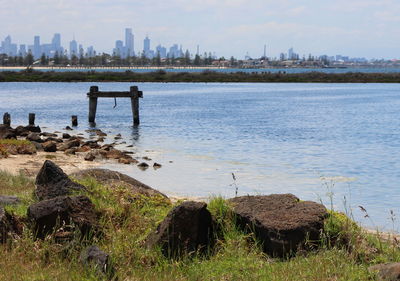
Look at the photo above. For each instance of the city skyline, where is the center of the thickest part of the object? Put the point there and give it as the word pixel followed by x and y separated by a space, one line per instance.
pixel 229 28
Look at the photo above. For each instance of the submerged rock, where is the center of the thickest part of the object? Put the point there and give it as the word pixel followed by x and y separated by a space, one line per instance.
pixel 51 182
pixel 281 222
pixel 187 229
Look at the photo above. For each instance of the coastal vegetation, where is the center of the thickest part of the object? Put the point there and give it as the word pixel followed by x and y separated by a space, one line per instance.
pixel 30 75
pixel 346 250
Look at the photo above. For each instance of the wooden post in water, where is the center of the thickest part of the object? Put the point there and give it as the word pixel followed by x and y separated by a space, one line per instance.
pixel 135 105
pixel 7 119
pixel 134 94
pixel 31 119
pixel 74 120
pixel 93 103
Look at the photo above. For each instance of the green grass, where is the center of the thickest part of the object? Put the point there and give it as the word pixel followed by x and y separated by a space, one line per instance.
pixel 127 218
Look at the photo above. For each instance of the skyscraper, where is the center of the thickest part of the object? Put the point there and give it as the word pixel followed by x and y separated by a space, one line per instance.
pixel 73 48
pixel 129 42
pixel 37 50
pixel 146 46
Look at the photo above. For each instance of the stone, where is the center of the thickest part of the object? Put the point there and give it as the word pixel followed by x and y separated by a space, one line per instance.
pixel 281 222
pixel 115 154
pixel 51 182
pixel 124 161
pixel 114 178
pixel 8 200
pixel 157 165
pixel 46 134
pixel 26 149
pixel 69 144
pixel 386 272
pixel 187 229
pixel 6 132
pixel 93 256
pixel 83 148
pixel 50 146
pixel 66 136
pixel 38 146
pixel 143 165
pixel 21 131
pixel 70 151
pixel 89 157
pixel 68 128
pixel 49 215
pixel 9 225
pixel 33 128
pixel 34 137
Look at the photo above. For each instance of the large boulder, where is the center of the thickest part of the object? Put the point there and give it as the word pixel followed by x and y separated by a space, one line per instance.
pixel 50 146
pixel 187 229
pixel 49 215
pixel 6 132
pixel 281 222
pixel 51 182
pixel 386 272
pixel 94 257
pixel 113 178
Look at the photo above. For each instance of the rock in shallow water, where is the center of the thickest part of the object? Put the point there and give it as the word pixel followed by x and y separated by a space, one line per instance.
pixel 281 222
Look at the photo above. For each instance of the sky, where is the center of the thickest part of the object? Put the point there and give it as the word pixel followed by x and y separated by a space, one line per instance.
pixel 357 28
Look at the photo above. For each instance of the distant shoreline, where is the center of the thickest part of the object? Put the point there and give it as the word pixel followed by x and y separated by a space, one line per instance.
pixel 206 76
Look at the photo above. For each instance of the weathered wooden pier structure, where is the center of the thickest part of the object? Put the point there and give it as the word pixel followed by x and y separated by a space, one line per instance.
pixel 134 94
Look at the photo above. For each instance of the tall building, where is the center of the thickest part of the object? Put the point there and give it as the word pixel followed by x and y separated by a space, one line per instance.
pixel 146 47
pixel 22 50
pixel 162 51
pixel 129 42
pixel 7 47
pixel 119 49
pixel 37 50
pixel 73 48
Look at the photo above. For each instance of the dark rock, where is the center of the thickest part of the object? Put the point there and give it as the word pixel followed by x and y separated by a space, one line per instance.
pixel 93 256
pixel 115 154
pixel 281 222
pixel 50 146
pixel 33 128
pixel 83 148
pixel 89 157
pixel 187 229
pixel 143 165
pixel 46 134
pixel 38 146
pixel 48 215
pixel 9 200
pixel 68 128
pixel 51 182
pixel 157 165
pixel 70 151
pixel 146 158
pixel 100 139
pixel 72 142
pixel 387 272
pixel 124 161
pixel 9 225
pixel 7 132
pixel 34 137
pixel 22 131
pixel 113 178
pixel 57 140
pixel 91 144
pixel 66 136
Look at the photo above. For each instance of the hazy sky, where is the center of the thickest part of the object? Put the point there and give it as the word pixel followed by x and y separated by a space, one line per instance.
pixel 364 28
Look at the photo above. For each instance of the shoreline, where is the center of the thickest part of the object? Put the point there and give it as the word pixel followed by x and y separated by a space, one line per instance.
pixel 206 76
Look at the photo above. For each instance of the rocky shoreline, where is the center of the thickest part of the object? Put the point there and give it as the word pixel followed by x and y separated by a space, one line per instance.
pixel 94 149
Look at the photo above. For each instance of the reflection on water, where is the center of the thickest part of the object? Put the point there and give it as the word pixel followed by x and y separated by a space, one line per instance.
pixel 306 139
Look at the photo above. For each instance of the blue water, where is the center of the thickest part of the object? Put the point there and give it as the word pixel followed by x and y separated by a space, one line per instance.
pixel 306 139
pixel 230 70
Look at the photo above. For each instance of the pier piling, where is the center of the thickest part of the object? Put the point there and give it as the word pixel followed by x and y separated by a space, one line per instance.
pixel 134 94
pixel 31 119
pixel 7 119
pixel 74 120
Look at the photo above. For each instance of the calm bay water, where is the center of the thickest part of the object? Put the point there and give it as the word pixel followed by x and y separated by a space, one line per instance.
pixel 306 139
